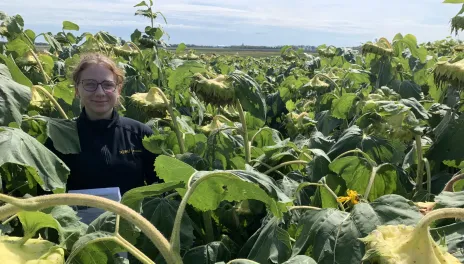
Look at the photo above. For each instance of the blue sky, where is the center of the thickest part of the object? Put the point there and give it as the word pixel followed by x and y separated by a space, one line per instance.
pixel 251 22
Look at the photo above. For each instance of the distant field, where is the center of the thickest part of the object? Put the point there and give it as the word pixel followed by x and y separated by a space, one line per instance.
pixel 240 52
pixel 220 51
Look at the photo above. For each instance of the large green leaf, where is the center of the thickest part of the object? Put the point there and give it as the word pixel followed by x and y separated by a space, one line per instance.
pixel 410 41
pixel 249 93
pixel 18 46
pixel 14 24
pixel 68 25
pixel 134 197
pixel 319 166
pixel 64 91
pixel 218 186
pixel 47 63
pixel 161 212
pixel 32 222
pixel 180 48
pixel 326 124
pixel 134 84
pixel 173 170
pixel 300 259
pixel 210 253
pixel 341 106
pixel 408 89
pixel 221 148
pixel 14 98
pixel 333 234
pixel 416 107
pixel 62 132
pixel 450 200
pixel 324 197
pixel 449 142
pixel 272 244
pixel 106 222
pixel 379 149
pixel 55 45
pixel 16 74
pixel 70 225
pixel 41 165
pixel 94 249
pixel 453 235
pixel 180 74
pixel 357 172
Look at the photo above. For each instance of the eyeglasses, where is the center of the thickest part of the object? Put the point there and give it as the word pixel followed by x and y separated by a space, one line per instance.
pixel 91 85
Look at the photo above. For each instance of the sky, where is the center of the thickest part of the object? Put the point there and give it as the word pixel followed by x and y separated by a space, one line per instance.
pixel 249 22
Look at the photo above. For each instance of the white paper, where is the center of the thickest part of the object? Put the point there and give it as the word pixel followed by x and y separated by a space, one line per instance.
pixel 88 214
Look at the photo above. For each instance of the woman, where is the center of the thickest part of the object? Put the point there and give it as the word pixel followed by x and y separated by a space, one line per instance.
pixel 112 154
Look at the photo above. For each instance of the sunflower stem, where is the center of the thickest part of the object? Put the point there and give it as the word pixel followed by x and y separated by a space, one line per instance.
pixel 371 182
pixel 38 203
pixel 285 164
pixel 438 214
pixel 244 132
pixel 420 158
pixel 449 185
pixel 179 136
pixel 52 99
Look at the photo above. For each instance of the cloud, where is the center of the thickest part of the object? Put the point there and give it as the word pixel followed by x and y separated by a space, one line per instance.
pixel 365 19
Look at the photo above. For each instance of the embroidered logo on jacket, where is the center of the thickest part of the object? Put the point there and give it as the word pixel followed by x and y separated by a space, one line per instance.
pixel 127 151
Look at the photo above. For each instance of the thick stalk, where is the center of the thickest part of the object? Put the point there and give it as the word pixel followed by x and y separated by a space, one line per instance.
pixel 302 207
pixel 438 214
pixel 175 235
pixel 132 249
pixel 241 261
pixel 180 139
pixel 120 241
pixel 371 182
pixel 268 166
pixel 42 202
pixel 449 185
pixel 429 175
pixel 254 136
pixel 371 162
pixel 334 195
pixel 340 205
pixel 285 164
pixel 40 66
pixel 244 132
pixel 52 99
pixel 419 177
pixel 9 219
pixel 77 250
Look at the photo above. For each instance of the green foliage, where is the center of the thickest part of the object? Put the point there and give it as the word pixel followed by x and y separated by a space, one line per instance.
pixel 314 129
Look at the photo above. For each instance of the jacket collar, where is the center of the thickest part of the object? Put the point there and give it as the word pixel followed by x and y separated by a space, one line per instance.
pixel 100 123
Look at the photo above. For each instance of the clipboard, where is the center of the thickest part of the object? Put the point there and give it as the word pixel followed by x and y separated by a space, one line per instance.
pixel 88 214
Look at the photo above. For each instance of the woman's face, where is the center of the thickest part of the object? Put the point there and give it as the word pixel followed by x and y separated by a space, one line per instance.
pixel 98 91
